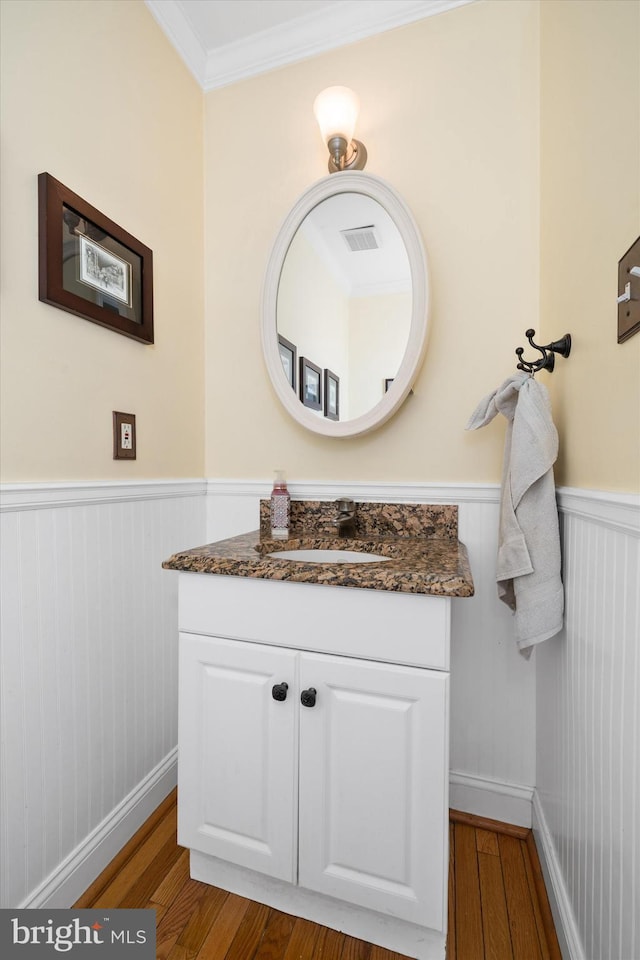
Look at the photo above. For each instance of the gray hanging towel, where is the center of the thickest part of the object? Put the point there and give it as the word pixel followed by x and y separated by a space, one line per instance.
pixel 528 566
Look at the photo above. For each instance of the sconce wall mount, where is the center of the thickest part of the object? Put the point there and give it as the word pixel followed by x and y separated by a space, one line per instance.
pixel 346 156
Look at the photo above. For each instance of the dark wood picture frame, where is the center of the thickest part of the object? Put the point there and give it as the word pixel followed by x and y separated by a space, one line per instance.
pixel 310 384
pixel 331 395
pixel 124 449
pixel 289 357
pixel 91 267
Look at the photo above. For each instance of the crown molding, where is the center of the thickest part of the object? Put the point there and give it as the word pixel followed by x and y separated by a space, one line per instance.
pixel 295 40
pixel 172 21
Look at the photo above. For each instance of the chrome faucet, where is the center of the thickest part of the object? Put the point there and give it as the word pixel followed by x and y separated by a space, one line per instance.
pixel 346 519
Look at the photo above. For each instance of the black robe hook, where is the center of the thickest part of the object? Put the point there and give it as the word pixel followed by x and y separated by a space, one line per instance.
pixel 562 346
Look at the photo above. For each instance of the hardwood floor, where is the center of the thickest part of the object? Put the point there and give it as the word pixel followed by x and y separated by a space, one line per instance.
pixel 498 907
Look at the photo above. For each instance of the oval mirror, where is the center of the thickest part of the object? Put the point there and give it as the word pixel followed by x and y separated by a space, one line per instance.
pixel 345 305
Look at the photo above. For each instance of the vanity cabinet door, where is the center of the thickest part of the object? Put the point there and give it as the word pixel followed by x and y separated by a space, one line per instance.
pixel 373 788
pixel 237 762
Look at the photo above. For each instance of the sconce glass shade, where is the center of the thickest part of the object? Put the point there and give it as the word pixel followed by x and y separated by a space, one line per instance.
pixel 336 110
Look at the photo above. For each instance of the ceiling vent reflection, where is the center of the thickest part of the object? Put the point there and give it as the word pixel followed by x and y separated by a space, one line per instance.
pixel 361 238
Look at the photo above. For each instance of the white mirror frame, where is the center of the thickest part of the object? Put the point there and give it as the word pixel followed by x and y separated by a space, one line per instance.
pixel 386 196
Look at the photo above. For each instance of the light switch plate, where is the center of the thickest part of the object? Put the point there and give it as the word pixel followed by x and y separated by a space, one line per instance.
pixel 629 310
pixel 124 436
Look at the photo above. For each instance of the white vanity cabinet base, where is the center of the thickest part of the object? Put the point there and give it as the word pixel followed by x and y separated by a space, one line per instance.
pixel 397 935
pixel 336 812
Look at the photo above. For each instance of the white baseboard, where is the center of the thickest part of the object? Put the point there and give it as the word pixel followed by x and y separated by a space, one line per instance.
pixel 563 917
pixel 495 799
pixel 78 871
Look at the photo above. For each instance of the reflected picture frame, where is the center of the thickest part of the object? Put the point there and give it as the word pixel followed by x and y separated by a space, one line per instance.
pixel 331 395
pixel 90 266
pixel 288 356
pixel 310 384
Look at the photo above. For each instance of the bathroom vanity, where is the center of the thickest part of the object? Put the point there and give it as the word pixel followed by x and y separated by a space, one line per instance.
pixel 314 720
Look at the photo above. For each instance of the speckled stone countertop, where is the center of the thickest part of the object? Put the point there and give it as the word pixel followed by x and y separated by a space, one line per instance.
pixel 420 540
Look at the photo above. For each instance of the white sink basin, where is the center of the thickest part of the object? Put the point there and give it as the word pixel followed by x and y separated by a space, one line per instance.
pixel 327 556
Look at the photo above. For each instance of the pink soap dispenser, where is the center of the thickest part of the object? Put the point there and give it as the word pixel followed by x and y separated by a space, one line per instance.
pixel 280 508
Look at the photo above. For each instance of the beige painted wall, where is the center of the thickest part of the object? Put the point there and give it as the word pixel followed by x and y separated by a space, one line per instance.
pixel 590 203
pixel 94 94
pixel 450 117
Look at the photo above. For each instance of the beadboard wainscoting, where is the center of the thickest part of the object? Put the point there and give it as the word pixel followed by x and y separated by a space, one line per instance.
pixel 587 799
pixel 89 686
pixel 492 685
pixel 89 674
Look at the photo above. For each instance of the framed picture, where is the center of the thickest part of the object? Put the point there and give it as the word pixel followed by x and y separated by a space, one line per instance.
pixel 310 384
pixel 387 383
pixel 90 266
pixel 288 355
pixel 331 395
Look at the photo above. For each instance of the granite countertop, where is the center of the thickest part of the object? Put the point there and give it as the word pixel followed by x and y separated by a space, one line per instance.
pixel 421 541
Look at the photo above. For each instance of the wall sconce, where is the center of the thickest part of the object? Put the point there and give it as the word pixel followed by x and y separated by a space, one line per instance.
pixel 336 110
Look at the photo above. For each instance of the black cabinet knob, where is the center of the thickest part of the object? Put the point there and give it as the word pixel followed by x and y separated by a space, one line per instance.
pixel 279 691
pixel 308 697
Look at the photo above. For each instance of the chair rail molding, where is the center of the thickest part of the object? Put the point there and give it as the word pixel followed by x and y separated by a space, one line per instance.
pixel 619 511
pixel 44 496
pixel 384 491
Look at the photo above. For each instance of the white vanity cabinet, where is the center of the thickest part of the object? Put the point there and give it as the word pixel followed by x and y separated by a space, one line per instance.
pixel 237 753
pixel 335 808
